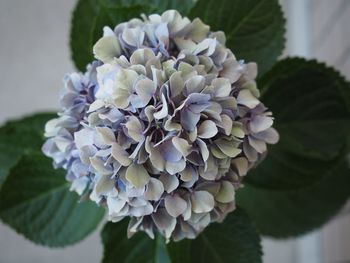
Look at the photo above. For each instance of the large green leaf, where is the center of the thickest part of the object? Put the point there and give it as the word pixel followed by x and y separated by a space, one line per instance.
pixel 140 248
pixel 90 16
pixel 19 137
pixel 254 28
pixel 35 200
pixel 290 213
pixel 235 241
pixel 158 6
pixel 311 106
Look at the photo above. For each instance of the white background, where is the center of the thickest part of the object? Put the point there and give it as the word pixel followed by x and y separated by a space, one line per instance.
pixel 34 56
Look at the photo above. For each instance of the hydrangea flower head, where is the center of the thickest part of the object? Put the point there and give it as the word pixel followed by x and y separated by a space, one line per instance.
pixel 163 126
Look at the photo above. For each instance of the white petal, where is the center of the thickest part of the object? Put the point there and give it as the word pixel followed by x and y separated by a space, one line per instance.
pixel 115 205
pixel 84 137
pixel 164 111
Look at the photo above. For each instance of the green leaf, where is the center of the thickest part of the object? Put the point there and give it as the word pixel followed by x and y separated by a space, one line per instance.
pixel 140 248
pixel 290 213
pixel 35 201
pixel 19 137
pixel 90 16
pixel 254 28
pixel 235 240
pixel 159 6
pixel 311 106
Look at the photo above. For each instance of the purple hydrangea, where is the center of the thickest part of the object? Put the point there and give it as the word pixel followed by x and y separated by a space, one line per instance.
pixel 163 127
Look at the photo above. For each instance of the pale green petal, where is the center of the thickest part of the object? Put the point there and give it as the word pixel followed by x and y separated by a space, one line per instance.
pixel 107 135
pixel 107 48
pixel 246 98
pixel 176 84
pixel 104 185
pixel 199 30
pixel 207 129
pixel 155 157
pixel 141 56
pixel 241 165
pixel 228 147
pixel 137 175
pixel 222 87
pixel 120 155
pixel 226 193
pixel 99 166
pixel 181 145
pixel 134 128
pixel 202 202
pixel 237 130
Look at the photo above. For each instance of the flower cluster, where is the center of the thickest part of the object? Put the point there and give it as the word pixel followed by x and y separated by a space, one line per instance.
pixel 163 126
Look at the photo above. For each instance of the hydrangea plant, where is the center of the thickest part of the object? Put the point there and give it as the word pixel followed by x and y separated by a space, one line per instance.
pixel 167 129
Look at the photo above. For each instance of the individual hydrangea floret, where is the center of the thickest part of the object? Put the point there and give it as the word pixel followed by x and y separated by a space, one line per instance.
pixel 163 127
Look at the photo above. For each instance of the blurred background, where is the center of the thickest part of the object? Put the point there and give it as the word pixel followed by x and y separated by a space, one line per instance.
pixel 34 55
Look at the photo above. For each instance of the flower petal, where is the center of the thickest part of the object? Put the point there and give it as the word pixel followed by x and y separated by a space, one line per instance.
pixel 137 175
pixel 175 205
pixel 260 123
pixel 164 111
pixel 134 128
pixel 107 135
pixel 226 193
pixel 222 87
pixel 202 202
pixel 207 129
pixel 228 147
pixel 107 48
pixel 181 145
pixel 120 155
pixel 246 98
pixel 170 182
pixel 154 189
